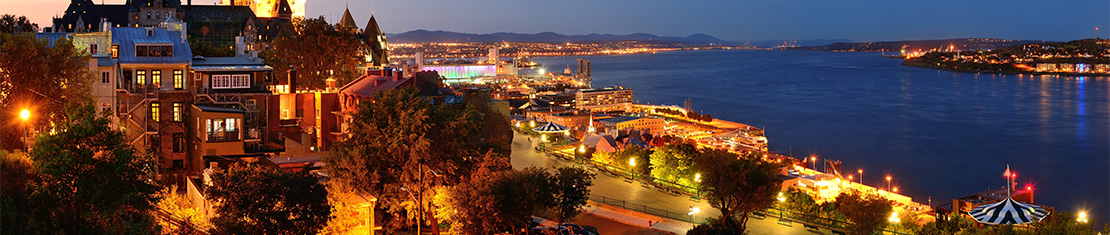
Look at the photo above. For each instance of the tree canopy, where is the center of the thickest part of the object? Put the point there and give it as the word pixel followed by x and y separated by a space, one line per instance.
pixel 865 212
pixel 40 78
pixel 397 138
pixel 737 185
pixel 501 201
pixel 317 50
pixel 85 179
pixel 261 200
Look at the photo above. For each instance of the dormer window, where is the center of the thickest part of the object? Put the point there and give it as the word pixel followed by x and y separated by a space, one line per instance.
pixel 150 32
pixel 154 50
pixel 93 49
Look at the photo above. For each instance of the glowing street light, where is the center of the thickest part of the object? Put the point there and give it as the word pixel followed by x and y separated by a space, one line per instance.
pixel 888 183
pixel 582 149
pixel 693 212
pixel 894 217
pixel 860 176
pixel 781 198
pixel 697 177
pixel 1082 217
pixel 25 114
pixel 632 161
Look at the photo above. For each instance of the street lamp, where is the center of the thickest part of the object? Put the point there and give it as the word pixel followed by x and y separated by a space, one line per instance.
pixel 813 162
pixel 1082 217
pixel 860 176
pixel 693 211
pixel 888 183
pixel 894 217
pixel 25 115
pixel 632 167
pixel 697 178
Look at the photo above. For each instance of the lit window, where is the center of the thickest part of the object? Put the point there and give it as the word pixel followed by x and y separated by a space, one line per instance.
pixel 154 110
pixel 224 129
pixel 140 77
pixel 93 49
pixel 177 112
pixel 178 79
pixel 156 78
pixel 115 51
pixel 231 81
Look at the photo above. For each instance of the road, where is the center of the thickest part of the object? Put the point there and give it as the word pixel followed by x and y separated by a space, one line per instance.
pixel 525 155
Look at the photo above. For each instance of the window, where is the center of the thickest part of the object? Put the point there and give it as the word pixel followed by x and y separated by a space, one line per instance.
pixel 155 143
pixel 158 15
pixel 115 51
pixel 156 78
pixel 105 77
pixel 178 164
pixel 230 81
pixel 140 77
pixel 148 14
pixel 93 49
pixel 178 142
pixel 251 105
pixel 223 129
pixel 154 110
pixel 178 79
pixel 177 112
pixel 153 51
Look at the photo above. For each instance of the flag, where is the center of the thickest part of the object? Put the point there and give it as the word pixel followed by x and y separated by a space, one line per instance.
pixel 1006 174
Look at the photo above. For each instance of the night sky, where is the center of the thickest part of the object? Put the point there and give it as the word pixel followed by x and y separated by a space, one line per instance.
pixel 857 20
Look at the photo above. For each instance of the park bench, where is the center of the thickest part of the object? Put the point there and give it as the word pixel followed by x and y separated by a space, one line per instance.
pixel 758 215
pixel 837 232
pixel 786 223
pixel 812 228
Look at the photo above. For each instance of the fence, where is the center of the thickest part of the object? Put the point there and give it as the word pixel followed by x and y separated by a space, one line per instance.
pixel 674 215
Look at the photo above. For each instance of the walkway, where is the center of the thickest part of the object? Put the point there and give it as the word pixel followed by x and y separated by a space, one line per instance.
pixel 525 155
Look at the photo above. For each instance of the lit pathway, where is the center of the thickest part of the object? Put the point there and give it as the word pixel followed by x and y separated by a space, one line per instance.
pixel 525 155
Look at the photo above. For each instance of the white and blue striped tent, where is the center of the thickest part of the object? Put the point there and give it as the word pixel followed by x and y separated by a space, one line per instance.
pixel 1008 212
pixel 550 127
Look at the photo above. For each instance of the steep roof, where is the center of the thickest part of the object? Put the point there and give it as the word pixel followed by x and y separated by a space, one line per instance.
pixel 91 13
pixel 372 29
pixel 370 85
pixel 347 21
pixel 128 37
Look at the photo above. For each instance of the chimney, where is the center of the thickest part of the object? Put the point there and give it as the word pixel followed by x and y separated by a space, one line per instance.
pixel 240 47
pixel 292 82
pixel 330 82
pixel 105 26
pixel 378 81
pixel 396 74
pixel 368 72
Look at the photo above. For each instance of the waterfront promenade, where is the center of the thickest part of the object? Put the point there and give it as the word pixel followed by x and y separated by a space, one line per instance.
pixel 525 155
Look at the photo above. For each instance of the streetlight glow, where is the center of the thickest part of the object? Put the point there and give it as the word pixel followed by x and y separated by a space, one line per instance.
pixel 632 161
pixel 697 177
pixel 1082 217
pixel 25 114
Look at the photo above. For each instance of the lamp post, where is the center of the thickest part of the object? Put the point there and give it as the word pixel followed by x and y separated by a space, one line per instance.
pixel 1030 189
pixel 860 176
pixel 420 204
pixel 632 167
pixel 1082 217
pixel 693 213
pixel 888 183
pixel 813 162
pixel 25 115
pixel 697 179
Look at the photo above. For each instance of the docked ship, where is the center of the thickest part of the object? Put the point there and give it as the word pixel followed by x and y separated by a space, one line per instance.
pixel 525 62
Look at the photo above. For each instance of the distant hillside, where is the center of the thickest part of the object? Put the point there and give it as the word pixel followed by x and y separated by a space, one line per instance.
pixel 922 45
pixel 792 42
pixel 547 37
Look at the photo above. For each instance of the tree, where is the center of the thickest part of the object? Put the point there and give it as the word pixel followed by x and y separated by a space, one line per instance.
pixel 92 181
pixel 865 212
pixel 398 137
pixel 572 187
pixel 10 23
pixel 209 49
pixel 500 201
pixel 737 186
pixel 41 78
pixel 799 201
pixel 673 162
pixel 316 50
pixel 260 200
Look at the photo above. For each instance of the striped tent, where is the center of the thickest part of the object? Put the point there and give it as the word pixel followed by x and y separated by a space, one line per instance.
pixel 1008 212
pixel 550 127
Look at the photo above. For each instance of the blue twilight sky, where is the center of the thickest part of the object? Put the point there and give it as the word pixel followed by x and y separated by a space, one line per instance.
pixel 857 20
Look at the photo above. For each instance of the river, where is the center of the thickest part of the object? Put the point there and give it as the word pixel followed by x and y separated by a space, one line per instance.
pixel 938 134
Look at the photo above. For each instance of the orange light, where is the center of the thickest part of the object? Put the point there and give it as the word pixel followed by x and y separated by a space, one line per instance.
pixel 888 178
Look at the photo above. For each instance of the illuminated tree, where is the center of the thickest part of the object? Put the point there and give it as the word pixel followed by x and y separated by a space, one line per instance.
pixel 737 186
pixel 262 200
pixel 317 50
pixel 41 78
pixel 865 212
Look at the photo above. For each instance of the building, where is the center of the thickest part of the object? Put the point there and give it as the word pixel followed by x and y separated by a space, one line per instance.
pixel 584 75
pixel 964 204
pixel 463 73
pixel 243 84
pixel 151 13
pixel 152 94
pixel 652 125
pixel 270 8
pixel 220 25
pixel 607 99
pixel 86 16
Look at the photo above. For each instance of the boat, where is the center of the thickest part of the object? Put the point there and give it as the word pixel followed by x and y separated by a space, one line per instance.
pixel 525 62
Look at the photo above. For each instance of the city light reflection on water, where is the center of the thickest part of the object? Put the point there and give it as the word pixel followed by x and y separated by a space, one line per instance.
pixel 945 134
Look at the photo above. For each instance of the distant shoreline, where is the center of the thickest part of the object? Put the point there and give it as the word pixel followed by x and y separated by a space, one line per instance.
pixel 908 63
